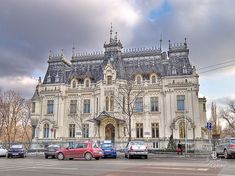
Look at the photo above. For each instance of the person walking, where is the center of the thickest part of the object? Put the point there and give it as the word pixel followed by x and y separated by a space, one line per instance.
pixel 179 148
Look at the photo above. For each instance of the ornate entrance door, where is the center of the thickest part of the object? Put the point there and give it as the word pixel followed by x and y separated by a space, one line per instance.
pixel 110 132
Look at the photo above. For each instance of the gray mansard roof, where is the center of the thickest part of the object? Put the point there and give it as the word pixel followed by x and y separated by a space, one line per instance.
pixel 126 62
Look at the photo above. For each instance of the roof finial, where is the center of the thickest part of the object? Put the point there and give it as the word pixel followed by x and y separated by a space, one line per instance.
pixel 111 32
pixel 73 50
pixel 115 37
pixel 169 44
pixel 185 42
pixel 161 42
pixel 62 52
pixel 50 54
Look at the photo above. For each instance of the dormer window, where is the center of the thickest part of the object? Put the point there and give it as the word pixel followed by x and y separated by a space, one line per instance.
pixel 74 84
pixel 49 78
pixel 173 71
pixel 138 79
pixel 57 79
pixel 185 70
pixel 153 79
pixel 87 83
pixel 109 80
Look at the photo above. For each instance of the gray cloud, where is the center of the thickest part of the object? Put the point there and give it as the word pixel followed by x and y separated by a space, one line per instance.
pixel 29 29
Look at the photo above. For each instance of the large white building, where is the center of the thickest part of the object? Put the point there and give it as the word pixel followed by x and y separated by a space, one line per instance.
pixel 77 99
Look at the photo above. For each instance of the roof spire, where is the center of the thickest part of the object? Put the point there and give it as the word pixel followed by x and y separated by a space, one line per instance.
pixel 111 32
pixel 169 44
pixel 161 42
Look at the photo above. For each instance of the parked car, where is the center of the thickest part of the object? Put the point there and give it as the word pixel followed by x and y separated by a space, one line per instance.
pixel 108 149
pixel 16 151
pixel 226 147
pixel 136 148
pixel 3 151
pixel 87 150
pixel 51 151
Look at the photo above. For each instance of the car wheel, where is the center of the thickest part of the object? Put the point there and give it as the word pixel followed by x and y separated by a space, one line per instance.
pixel 70 158
pixel 8 156
pixel 97 158
pixel 130 156
pixel 115 157
pixel 226 155
pixel 88 156
pixel 46 156
pixel 146 156
pixel 60 156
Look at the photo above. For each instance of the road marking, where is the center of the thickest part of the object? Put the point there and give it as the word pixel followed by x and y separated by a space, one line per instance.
pixel 178 168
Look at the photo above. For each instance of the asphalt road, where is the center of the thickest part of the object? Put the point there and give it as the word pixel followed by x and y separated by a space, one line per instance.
pixel 38 166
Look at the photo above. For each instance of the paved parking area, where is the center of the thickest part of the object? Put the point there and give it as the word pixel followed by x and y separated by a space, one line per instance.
pixel 38 166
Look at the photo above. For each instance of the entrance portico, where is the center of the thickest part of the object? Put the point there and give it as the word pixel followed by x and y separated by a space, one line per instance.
pixel 109 127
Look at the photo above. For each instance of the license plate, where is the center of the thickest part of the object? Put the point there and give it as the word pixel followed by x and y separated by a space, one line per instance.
pixel 14 153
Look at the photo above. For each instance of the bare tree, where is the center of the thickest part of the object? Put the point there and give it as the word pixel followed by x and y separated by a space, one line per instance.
pixel 128 92
pixel 228 114
pixel 12 115
pixel 75 114
pixel 215 121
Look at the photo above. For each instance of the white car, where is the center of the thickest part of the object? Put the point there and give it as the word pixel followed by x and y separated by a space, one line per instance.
pixel 3 151
pixel 136 148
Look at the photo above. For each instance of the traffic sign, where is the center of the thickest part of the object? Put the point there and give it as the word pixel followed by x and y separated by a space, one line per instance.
pixel 209 125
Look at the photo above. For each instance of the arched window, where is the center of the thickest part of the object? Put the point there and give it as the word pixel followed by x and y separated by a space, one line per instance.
pixel 153 79
pixel 111 103
pixel 74 84
pixel 107 103
pixel 182 130
pixel 46 130
pixel 109 80
pixel 138 80
pixel 87 83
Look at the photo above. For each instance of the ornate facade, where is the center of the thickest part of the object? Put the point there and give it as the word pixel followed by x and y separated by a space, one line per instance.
pixel 78 98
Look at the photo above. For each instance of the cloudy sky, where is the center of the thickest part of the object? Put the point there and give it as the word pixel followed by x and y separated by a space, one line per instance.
pixel 30 28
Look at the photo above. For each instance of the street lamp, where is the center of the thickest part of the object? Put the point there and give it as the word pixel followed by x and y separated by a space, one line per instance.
pixel 186 132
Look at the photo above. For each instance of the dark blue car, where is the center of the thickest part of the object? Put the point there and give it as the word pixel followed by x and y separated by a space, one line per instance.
pixel 16 151
pixel 109 150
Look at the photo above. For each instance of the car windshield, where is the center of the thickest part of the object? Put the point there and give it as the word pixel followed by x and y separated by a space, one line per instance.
pixel 137 143
pixel 16 146
pixel 233 141
pixel 53 146
pixel 107 145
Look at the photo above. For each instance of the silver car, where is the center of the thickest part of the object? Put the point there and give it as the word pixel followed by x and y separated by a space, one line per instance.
pixel 226 147
pixel 3 151
pixel 136 148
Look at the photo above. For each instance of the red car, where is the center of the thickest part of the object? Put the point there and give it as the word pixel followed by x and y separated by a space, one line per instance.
pixel 87 150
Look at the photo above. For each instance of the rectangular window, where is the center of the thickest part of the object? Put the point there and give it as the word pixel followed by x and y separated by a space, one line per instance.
pixel 204 107
pixel 155 144
pixel 109 80
pixel 180 102
pixel 85 130
pixel 86 106
pixel 154 104
pixel 139 104
pixel 97 105
pixel 73 106
pixel 155 130
pixel 71 130
pixel 33 107
pixel 50 106
pixel 139 130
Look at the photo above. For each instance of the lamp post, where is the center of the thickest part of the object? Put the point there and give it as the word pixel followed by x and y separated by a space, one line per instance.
pixel 186 132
